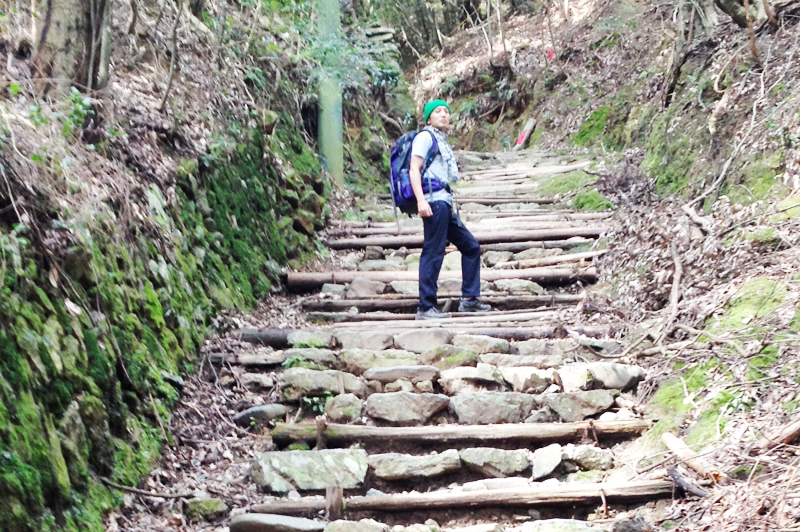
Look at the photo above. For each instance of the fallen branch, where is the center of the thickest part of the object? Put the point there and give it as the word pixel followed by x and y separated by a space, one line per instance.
pixel 782 435
pixel 706 225
pixel 713 337
pixel 685 485
pixel 174 59
pixel 689 457
pixel 110 483
pixel 403 502
pixel 674 296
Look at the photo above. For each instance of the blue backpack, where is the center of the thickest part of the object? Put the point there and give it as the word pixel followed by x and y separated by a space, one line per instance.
pixel 400 182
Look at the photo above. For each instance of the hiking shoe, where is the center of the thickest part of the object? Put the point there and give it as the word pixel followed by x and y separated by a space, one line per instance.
pixel 473 305
pixel 430 314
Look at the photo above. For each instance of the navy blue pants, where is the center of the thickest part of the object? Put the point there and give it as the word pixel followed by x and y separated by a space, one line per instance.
pixel 440 228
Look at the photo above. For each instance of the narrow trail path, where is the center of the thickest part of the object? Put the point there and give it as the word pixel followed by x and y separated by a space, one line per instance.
pixel 496 421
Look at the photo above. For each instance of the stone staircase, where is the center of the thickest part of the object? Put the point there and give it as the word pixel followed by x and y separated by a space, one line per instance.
pixel 510 420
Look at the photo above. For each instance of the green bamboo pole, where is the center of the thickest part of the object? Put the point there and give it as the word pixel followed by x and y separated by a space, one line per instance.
pixel 331 146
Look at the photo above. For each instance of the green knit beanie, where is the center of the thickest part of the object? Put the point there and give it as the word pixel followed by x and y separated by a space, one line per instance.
pixel 430 106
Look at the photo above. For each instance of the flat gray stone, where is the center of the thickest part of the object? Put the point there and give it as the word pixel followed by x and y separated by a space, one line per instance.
pixel 365 525
pixel 537 253
pixel 493 258
pixel 410 288
pixel 611 375
pixel 545 460
pixel 589 457
pixel 358 361
pixel 283 471
pixel 518 285
pixel 256 382
pixel 486 408
pixel 400 385
pixel 422 340
pixel 343 408
pixel 497 484
pixel 509 361
pixel 323 357
pixel 209 509
pixel 481 344
pixel 404 408
pixel 449 356
pixel 350 261
pixel 336 289
pixel 561 348
pixel 361 287
pixel 424 386
pixel 274 523
pixel 527 379
pixel 396 466
pixel 309 339
pixel 495 462
pixel 574 377
pixel 462 378
pixel 410 373
pixel 558 525
pixel 489 527
pixel 373 253
pixel 452 261
pixel 301 382
pixel 380 266
pixel 577 406
pixel 543 415
pixel 261 413
pixel 375 340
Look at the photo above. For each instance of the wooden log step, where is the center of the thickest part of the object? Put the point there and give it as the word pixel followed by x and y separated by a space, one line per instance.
pixel 482 225
pixel 549 215
pixel 531 432
pixel 493 201
pixel 464 318
pixel 549 261
pixel 401 302
pixel 516 333
pixel 544 244
pixel 417 240
pixel 270 337
pixel 313 280
pixel 541 171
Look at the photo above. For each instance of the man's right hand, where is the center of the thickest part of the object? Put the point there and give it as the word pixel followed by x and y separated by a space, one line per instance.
pixel 424 209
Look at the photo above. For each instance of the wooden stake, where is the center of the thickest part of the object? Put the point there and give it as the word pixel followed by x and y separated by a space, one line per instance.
pixel 334 502
pixel 322 425
pixel 536 496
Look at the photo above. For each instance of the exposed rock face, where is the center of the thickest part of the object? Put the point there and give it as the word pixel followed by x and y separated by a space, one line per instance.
pixel 558 348
pixel 486 408
pixel 410 373
pixel 343 408
pixel 574 377
pixel 580 405
pixel 361 287
pixel 449 356
pixel 396 466
pixel 300 382
pixel 495 462
pixel 589 457
pixel 323 357
pixel 404 408
pixel 420 341
pixel 518 285
pixel 310 470
pixel 545 460
pixel 492 258
pixel 410 288
pixel 274 523
pixel 468 378
pixel 527 379
pixel 262 414
pixel 380 266
pixel 365 525
pixel 611 375
pixel 358 361
pixel 375 340
pixel 481 344
pixel 256 382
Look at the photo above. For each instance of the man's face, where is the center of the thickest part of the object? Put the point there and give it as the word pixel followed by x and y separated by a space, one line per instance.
pixel 440 117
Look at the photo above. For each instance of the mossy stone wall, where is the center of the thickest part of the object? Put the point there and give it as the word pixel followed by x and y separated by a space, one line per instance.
pixel 87 337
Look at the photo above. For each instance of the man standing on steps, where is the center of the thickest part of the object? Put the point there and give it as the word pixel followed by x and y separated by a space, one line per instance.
pixel 440 221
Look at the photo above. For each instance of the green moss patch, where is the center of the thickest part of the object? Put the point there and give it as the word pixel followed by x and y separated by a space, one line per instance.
pixel 592 129
pixel 591 200
pixel 755 299
pixel 569 182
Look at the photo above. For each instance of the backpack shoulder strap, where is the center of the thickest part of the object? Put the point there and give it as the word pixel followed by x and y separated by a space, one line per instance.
pixel 432 153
